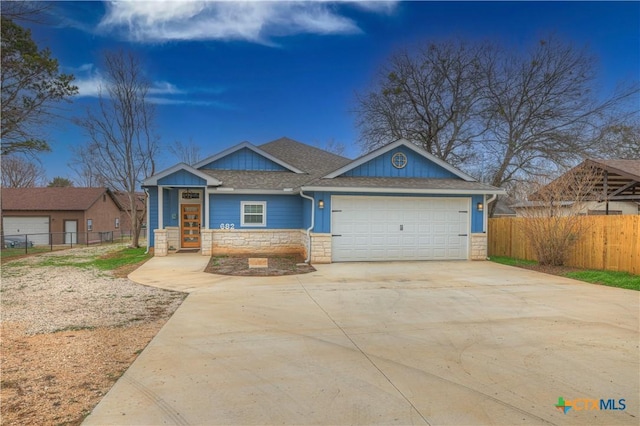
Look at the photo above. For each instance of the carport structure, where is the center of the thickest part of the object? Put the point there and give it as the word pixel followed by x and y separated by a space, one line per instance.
pixel 613 180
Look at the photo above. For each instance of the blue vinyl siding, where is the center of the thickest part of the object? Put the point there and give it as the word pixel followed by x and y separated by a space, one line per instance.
pixel 244 159
pixel 477 218
pixel 153 213
pixel 283 211
pixel 171 210
pixel 417 167
pixel 182 177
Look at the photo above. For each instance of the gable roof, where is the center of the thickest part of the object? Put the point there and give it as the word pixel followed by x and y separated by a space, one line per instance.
pixel 68 198
pixel 123 200
pixel 153 180
pixel 627 168
pixel 251 147
pixel 405 143
pixel 612 180
pixel 313 161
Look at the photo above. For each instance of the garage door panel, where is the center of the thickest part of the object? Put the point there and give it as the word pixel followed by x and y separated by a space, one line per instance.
pixel 399 228
pixel 36 227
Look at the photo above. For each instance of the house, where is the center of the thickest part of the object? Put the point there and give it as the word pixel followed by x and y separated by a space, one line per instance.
pixel 395 203
pixel 59 215
pixel 594 187
pixel 125 218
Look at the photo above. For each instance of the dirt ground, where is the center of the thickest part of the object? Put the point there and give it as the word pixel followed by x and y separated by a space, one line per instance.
pixel 277 265
pixel 67 335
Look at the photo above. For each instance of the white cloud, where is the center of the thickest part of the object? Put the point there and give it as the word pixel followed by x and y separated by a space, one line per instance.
pixel 256 21
pixel 91 84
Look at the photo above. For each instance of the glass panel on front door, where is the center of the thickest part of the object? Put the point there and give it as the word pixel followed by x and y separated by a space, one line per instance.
pixel 190 229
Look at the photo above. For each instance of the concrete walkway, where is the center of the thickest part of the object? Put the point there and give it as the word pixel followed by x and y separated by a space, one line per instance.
pixel 394 343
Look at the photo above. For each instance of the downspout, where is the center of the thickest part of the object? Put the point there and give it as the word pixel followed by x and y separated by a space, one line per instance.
pixel 486 216
pixel 313 223
pixel 146 191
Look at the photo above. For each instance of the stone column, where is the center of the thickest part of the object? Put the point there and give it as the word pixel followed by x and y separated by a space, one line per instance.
pixel 206 242
pixel 479 246
pixel 161 247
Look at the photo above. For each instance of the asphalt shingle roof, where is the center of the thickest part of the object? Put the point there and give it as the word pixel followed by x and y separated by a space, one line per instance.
pixel 68 198
pixel 316 162
pixel 630 167
pixel 401 183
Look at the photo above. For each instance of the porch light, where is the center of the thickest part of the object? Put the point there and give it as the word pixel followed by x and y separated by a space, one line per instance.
pixel 320 204
pixel 480 207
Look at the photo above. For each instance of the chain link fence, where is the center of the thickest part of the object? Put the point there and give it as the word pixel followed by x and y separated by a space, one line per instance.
pixel 20 244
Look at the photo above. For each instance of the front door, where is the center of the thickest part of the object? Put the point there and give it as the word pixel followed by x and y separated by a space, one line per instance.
pixel 70 231
pixel 190 227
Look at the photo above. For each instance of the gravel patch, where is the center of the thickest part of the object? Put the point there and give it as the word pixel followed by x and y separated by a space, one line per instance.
pixel 68 297
pixel 69 332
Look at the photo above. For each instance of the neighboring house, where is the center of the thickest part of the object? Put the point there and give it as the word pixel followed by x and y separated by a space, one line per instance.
pixel 125 218
pixel 395 203
pixel 67 215
pixel 616 191
pixel 502 208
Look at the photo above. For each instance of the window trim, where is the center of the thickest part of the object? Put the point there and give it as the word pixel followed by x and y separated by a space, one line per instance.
pixel 89 225
pixel 117 223
pixel 264 214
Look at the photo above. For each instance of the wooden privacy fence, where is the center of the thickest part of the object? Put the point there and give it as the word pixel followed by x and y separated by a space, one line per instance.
pixel 607 242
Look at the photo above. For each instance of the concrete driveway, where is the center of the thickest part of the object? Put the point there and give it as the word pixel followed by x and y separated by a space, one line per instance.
pixel 436 343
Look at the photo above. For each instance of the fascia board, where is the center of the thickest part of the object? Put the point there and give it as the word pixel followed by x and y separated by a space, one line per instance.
pixel 392 146
pixel 240 191
pixel 253 148
pixel 497 191
pixel 153 180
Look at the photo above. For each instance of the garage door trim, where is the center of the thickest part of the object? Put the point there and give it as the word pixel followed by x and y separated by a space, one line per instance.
pixel 391 228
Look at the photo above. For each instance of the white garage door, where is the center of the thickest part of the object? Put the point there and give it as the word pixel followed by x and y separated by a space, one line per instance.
pixel 36 227
pixel 399 228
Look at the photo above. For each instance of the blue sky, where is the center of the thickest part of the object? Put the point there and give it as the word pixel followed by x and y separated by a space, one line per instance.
pixel 226 72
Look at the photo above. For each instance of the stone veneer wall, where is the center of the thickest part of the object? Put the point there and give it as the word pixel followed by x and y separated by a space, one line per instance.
pixel 320 248
pixel 479 246
pixel 173 237
pixel 266 241
pixel 160 247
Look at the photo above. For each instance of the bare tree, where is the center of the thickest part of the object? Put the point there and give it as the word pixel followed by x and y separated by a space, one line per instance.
pixel 84 166
pixel 188 153
pixel 540 109
pixel 430 97
pixel 505 114
pixel 18 172
pixel 123 144
pixel 553 217
pixel 334 147
pixel 26 11
pixel 619 141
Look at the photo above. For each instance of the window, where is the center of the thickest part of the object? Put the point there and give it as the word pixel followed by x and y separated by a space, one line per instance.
pixel 253 213
pixel 89 224
pixel 399 160
pixel 117 222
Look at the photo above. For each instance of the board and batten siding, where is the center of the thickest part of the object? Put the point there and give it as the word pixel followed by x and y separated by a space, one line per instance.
pixel 417 167
pixel 244 159
pixel 153 213
pixel 283 211
pixel 182 177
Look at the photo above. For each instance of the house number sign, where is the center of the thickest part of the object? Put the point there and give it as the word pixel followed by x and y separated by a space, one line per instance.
pixel 188 195
pixel 227 226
